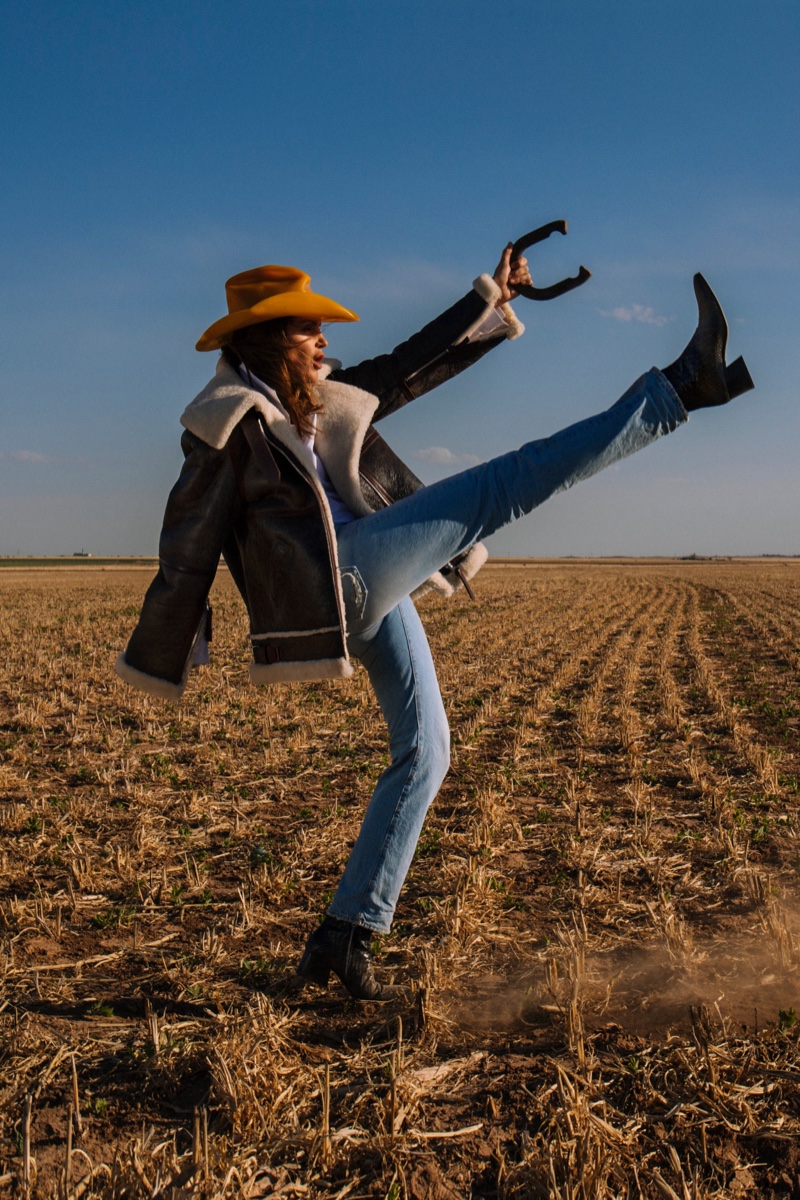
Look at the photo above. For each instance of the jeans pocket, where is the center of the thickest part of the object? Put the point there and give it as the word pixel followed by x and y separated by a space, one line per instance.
pixel 355 593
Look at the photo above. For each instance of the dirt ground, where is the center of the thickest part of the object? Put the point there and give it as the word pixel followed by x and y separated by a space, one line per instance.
pixel 598 943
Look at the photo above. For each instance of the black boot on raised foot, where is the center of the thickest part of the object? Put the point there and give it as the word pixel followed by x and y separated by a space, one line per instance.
pixel 700 376
pixel 343 948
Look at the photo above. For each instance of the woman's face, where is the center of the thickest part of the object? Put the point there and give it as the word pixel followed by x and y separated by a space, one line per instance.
pixel 307 346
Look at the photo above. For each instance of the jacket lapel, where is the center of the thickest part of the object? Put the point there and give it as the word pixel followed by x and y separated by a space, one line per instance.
pixel 341 426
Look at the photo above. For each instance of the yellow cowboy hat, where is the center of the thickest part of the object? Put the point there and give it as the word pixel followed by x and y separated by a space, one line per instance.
pixel 266 293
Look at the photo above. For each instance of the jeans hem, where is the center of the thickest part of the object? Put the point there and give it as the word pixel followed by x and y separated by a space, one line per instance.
pixel 359 921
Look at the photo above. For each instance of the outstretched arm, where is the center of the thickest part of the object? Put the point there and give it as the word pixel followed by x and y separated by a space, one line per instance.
pixel 445 346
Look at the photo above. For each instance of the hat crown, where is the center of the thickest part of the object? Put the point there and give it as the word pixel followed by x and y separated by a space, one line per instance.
pixel 266 294
pixel 250 288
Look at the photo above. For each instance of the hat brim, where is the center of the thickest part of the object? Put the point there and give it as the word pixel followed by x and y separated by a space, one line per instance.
pixel 288 304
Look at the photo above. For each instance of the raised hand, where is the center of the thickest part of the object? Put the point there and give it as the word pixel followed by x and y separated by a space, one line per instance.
pixel 511 272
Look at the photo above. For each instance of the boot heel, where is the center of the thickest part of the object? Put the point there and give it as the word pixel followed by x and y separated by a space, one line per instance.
pixel 737 378
pixel 314 969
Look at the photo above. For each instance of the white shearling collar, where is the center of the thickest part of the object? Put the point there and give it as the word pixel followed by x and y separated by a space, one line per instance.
pixel 341 425
pixel 217 410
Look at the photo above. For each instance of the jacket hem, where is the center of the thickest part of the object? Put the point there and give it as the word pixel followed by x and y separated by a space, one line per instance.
pixel 472 563
pixel 164 689
pixel 300 672
pixel 434 583
pixel 468 566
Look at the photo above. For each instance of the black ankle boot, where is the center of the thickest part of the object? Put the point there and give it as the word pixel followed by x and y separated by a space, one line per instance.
pixel 343 948
pixel 700 376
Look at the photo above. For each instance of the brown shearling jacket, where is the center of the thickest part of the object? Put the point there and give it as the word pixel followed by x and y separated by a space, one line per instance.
pixel 249 490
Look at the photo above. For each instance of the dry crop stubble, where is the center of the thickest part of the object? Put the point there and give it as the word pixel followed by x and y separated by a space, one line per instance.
pixel 599 933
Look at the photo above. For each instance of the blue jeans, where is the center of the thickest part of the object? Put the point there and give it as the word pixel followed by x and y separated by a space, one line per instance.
pixel 388 554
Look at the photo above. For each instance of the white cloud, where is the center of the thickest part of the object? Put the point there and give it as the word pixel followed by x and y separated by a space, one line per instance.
pixel 36 458
pixel 635 312
pixel 440 456
pixel 26 456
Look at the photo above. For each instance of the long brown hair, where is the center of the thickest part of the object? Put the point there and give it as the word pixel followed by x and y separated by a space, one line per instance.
pixel 262 348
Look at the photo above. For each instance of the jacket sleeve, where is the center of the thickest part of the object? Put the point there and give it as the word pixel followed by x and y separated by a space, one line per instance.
pixel 201 511
pixel 438 352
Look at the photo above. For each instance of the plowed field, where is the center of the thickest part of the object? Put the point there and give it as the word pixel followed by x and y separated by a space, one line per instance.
pixel 599 940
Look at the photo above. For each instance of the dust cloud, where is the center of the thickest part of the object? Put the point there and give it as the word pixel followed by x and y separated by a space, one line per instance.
pixel 747 976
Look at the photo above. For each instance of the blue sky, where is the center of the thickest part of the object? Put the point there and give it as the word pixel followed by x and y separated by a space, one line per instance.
pixel 390 149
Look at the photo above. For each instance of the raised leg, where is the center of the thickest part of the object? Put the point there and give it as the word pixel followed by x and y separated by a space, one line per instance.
pixel 398 548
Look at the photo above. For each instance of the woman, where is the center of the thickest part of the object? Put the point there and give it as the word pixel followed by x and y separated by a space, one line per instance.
pixel 327 534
